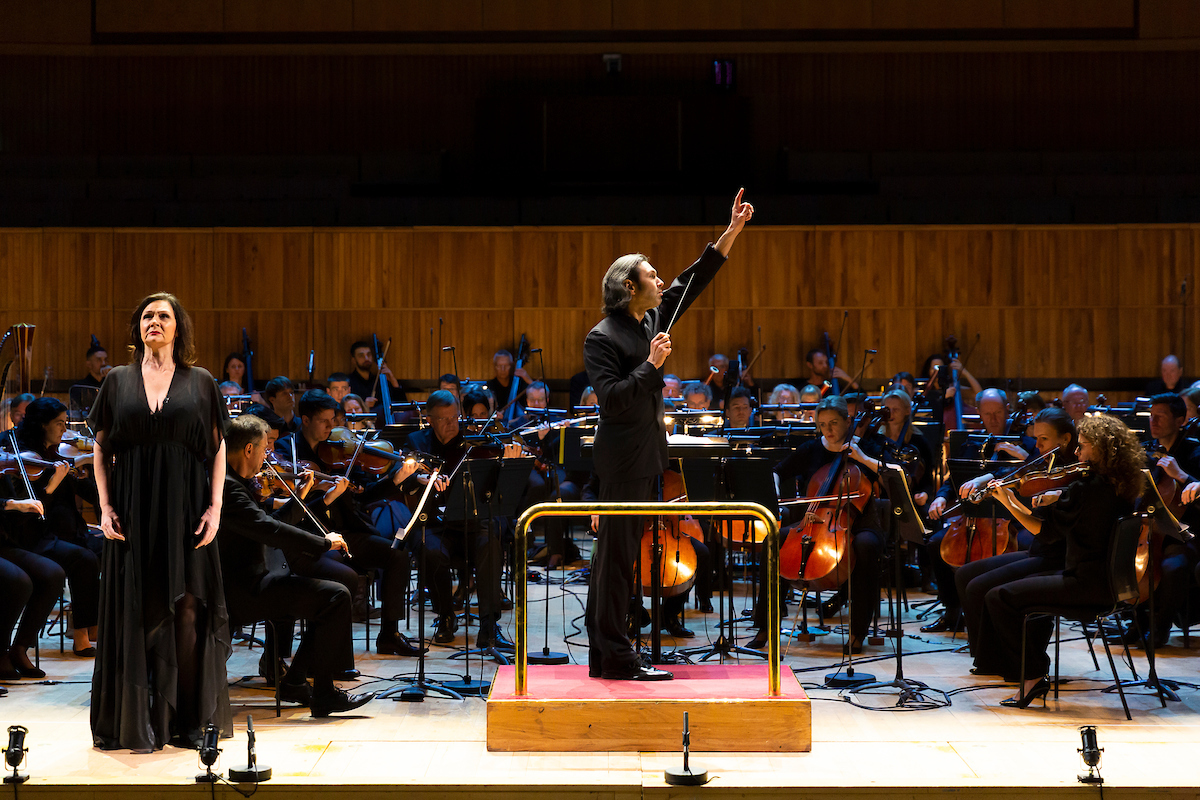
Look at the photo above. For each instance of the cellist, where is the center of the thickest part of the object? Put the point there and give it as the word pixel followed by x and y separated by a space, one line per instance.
pixel 833 423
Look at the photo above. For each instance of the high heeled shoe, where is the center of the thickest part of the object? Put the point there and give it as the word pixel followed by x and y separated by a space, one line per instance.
pixel 1040 689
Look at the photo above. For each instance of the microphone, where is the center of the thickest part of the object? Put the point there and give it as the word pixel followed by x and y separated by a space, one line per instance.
pixel 873 352
pixel 535 350
pixel 447 348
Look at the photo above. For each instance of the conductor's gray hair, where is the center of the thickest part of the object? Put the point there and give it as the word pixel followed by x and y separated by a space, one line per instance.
pixel 616 293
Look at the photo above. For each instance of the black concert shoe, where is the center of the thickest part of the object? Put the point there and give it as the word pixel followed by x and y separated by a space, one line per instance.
pixel 706 607
pixel 831 607
pixel 950 622
pixel 299 692
pixel 338 701
pixel 347 675
pixel 490 635
pixel 444 629
pixel 25 671
pixel 759 642
pixel 675 628
pixel 505 604
pixel 396 644
pixel 7 671
pixel 636 672
pixel 1040 689
pixel 268 674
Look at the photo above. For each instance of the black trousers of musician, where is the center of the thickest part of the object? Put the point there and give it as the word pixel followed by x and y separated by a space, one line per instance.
pixel 943 573
pixel 39 581
pixel 455 545
pixel 1008 602
pixel 28 596
pixel 326 646
pixel 612 580
pixel 974 581
pixel 673 606
pixel 330 566
pixel 372 551
pixel 541 489
pixel 863 585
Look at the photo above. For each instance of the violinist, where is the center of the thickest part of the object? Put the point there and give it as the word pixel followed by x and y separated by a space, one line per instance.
pixel 993 412
pixel 1083 516
pixel 363 376
pixel 624 354
pixel 477 406
pixel 501 385
pixel 62 536
pixel 343 512
pixel 353 404
pixel 1191 398
pixel 280 396
pixel 1176 456
pixel 1054 432
pixel 1170 377
pixel 257 589
pixel 475 541
pixel 547 481
pixel 798 469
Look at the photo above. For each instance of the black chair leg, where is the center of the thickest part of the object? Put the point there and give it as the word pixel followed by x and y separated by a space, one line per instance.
pixel 275 665
pixel 1087 637
pixel 1138 627
pixel 1057 651
pixel 1116 678
pixel 1024 634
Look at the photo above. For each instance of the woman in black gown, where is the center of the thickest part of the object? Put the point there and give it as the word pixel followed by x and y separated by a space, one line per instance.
pixel 160 467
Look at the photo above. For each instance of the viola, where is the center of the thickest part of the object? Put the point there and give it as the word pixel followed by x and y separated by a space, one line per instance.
pixel 34 465
pixel 677 568
pixel 1031 483
pixel 324 480
pixel 374 456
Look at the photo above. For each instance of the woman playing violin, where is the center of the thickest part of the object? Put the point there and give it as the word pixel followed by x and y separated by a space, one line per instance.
pixel 1083 516
pixel 833 423
pixel 62 536
pixel 1054 432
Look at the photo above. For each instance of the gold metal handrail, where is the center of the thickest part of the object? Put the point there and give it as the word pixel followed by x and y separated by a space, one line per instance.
pixel 755 510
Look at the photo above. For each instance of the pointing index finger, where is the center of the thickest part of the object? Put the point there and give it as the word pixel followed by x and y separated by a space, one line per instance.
pixel 737 201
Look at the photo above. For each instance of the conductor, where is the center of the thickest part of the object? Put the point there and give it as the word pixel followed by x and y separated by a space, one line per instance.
pixel 624 355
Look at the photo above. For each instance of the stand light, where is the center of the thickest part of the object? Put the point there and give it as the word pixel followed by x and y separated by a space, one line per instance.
pixel 14 754
pixel 1090 753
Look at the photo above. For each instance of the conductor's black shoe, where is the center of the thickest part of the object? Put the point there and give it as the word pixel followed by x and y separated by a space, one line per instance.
pixel 636 672
pixel 675 628
pixel 268 674
pixel 506 604
pixel 296 692
pixel 338 702
pixel 950 622
pixel 490 635
pixel 444 629
pixel 396 644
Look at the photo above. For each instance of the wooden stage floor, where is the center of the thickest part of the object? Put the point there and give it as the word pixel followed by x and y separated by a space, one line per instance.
pixel 437 748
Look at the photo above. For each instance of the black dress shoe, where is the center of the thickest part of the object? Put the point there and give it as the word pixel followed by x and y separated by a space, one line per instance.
pixel 706 606
pixel 759 642
pixel 30 672
pixel 87 652
pixel 396 644
pixel 268 674
pixel 636 672
pixel 950 622
pixel 347 675
pixel 675 628
pixel 831 607
pixel 296 692
pixel 7 671
pixel 490 635
pixel 444 629
pixel 338 702
pixel 506 604
pixel 852 647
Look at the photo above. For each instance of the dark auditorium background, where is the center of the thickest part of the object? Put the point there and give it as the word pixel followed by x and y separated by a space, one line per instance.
pixel 1024 171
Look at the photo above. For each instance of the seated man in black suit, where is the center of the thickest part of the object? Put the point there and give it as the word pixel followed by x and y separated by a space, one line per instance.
pixel 254 591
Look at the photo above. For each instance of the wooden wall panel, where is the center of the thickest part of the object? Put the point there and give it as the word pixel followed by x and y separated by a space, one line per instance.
pixel 562 15
pixel 158 16
pixel 924 14
pixel 1046 303
pixel 362 269
pixel 418 15
pixel 289 15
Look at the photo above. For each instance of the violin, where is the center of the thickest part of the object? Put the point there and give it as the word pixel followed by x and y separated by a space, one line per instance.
pixel 324 481
pixel 1035 482
pixel 828 522
pixel 677 564
pixel 35 466
pixel 344 450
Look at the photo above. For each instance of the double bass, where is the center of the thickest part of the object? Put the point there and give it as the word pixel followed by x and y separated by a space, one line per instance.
pixel 677 566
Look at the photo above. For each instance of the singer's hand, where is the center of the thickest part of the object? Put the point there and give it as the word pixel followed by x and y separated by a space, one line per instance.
pixel 660 348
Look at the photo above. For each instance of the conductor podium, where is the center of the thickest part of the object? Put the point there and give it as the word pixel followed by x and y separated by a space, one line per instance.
pixel 734 708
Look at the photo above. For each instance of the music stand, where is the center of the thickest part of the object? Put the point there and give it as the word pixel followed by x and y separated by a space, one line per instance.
pixel 904 525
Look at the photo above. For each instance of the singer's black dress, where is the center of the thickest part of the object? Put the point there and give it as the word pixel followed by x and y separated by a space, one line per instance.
pixel 159 487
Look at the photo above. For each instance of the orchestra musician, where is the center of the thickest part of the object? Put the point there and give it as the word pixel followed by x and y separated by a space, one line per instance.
pixel 993 412
pixel 624 355
pixel 234 370
pixel 1054 431
pixel 1176 456
pixel 1083 516
pixel 280 396
pixel 62 536
pixel 16 410
pixel 817 361
pixel 363 376
pixel 29 595
pixel 786 394
pixel 697 396
pixel 473 541
pixel 1170 377
pixel 501 385
pixel 1191 399
pixel 338 386
pixel 672 388
pixel 793 474
pixel 450 383
pixel 739 413
pixel 937 370
pixel 256 588
pixel 343 511
pixel 1075 401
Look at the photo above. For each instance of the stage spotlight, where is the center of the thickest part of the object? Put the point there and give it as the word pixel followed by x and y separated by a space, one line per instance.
pixel 1090 752
pixel 209 753
pixel 14 754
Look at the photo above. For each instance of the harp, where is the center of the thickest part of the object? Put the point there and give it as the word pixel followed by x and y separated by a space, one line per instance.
pixel 16 366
